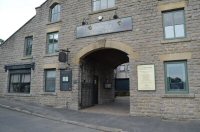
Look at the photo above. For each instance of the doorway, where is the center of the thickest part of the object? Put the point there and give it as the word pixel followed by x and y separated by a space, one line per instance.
pixel 98 78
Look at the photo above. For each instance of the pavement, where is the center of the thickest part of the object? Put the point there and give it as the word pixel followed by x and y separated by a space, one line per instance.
pixel 99 121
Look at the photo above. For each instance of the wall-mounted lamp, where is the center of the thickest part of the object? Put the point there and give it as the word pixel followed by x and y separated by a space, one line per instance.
pixel 115 16
pixel 84 22
pixel 100 18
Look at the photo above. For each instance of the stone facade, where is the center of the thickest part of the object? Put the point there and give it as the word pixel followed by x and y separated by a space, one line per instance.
pixel 144 45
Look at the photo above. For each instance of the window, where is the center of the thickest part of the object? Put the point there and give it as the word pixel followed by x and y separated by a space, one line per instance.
pixel 20 81
pixel 28 46
pixel 128 67
pixel 174 24
pixel 52 42
pixel 176 76
pixel 122 68
pixel 50 80
pixel 102 4
pixel 55 13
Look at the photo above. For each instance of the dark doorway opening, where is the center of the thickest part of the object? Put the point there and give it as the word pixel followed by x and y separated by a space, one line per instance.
pixel 98 76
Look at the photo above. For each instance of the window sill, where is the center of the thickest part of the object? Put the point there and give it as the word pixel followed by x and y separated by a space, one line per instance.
pixel 27 57
pixel 51 23
pixel 49 93
pixel 103 10
pixel 175 40
pixel 18 94
pixel 51 55
pixel 178 96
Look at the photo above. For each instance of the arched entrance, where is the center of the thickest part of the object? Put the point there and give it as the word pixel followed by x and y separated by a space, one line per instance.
pixel 97 63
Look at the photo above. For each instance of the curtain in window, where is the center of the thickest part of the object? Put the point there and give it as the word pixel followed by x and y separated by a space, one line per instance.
pixel 15 83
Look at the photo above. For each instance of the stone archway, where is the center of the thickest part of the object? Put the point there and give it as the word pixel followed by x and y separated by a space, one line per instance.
pixel 103 44
pixel 92 48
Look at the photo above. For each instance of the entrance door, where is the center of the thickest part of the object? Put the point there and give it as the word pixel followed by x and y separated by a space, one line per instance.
pixel 95 90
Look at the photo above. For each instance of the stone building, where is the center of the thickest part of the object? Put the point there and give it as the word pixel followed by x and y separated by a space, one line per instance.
pixel 159 38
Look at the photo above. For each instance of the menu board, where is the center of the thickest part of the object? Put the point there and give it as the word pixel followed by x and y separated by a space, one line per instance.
pixel 146 77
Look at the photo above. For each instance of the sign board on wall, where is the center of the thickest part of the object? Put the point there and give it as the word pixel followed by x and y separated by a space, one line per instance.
pixel 111 26
pixel 146 77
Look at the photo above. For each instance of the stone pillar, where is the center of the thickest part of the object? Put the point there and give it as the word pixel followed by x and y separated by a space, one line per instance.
pixel 73 103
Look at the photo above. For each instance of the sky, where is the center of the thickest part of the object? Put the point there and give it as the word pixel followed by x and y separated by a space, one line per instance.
pixel 14 14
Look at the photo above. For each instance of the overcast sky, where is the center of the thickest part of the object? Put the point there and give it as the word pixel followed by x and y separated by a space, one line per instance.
pixel 15 13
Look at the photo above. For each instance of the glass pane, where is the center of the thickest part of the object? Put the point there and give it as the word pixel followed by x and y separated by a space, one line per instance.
pixel 50 80
pixel 50 85
pixel 176 76
pixel 29 45
pixel 55 17
pixel 168 19
pixel 25 83
pixel 111 3
pixel 15 83
pixel 169 32
pixel 50 48
pixel 51 38
pixel 15 78
pixel 178 17
pixel 104 4
pixel 122 68
pixel 58 8
pixel 51 74
pixel 26 78
pixel 96 5
pixel 53 10
pixel 179 31
pixel 55 47
pixel 56 38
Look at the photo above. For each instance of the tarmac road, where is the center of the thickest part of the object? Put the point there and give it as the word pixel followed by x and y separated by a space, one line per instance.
pixel 12 121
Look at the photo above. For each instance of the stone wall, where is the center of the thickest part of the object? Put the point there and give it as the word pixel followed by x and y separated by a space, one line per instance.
pixel 146 39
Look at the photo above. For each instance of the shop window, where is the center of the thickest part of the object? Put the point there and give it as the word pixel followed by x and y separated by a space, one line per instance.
pixel 20 81
pixel 176 77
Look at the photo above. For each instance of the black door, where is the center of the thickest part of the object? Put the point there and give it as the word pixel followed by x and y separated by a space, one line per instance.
pixel 95 90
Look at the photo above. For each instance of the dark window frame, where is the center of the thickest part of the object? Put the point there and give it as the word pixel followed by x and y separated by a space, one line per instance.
pixel 19 72
pixel 27 51
pixel 167 85
pixel 45 88
pixel 184 23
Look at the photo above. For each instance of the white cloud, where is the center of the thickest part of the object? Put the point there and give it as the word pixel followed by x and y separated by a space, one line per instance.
pixel 15 13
